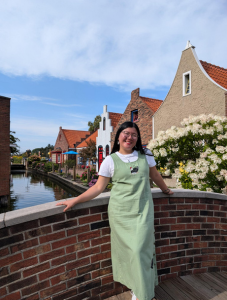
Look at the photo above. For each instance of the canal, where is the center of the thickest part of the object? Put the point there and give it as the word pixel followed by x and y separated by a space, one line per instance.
pixel 29 189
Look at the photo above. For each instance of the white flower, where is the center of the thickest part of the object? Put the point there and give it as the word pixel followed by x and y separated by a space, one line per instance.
pixel 224 157
pixel 203 155
pixel 167 172
pixel 220 149
pixel 163 152
pixel 223 172
pixel 219 177
pixel 202 175
pixel 213 167
pixel 156 153
pixel 209 190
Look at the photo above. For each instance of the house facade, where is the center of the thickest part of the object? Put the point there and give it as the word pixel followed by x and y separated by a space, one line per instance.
pixel 67 140
pixel 5 149
pixel 108 123
pixel 84 144
pixel 198 88
pixel 140 110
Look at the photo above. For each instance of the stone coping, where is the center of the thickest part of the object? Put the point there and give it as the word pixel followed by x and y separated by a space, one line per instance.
pixel 48 209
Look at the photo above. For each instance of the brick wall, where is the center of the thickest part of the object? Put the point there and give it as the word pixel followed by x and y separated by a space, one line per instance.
pixel 67 255
pixel 61 141
pixel 4 146
pixel 145 118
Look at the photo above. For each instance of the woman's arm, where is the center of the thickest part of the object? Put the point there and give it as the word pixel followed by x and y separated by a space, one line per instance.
pixel 91 193
pixel 158 180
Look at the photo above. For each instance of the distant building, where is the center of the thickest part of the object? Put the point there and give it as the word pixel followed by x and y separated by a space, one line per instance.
pixel 140 110
pixel 198 88
pixel 108 123
pixel 5 149
pixel 82 145
pixel 67 140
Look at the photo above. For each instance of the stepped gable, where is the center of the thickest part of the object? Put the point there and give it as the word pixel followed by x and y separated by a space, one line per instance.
pixel 115 118
pixel 218 74
pixel 153 104
pixel 75 136
pixel 92 137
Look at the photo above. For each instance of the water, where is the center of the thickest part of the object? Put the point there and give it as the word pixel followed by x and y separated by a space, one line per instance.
pixel 29 189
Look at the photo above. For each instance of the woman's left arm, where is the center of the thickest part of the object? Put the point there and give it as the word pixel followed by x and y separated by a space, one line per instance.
pixel 158 180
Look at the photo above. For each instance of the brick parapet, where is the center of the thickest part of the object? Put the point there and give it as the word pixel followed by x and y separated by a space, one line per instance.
pixel 46 253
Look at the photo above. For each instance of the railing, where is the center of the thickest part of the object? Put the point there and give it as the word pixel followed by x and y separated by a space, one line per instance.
pixel 46 253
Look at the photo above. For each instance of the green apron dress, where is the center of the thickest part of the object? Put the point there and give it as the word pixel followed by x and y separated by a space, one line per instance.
pixel 131 217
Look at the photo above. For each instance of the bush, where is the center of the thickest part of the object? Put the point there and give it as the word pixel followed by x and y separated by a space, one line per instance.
pixel 195 154
pixel 34 158
pixel 83 176
pixel 92 182
pixel 17 159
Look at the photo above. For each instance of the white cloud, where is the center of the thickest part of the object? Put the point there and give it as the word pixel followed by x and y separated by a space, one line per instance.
pixel 120 43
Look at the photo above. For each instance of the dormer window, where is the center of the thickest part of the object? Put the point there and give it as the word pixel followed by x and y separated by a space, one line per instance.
pixel 104 123
pixel 134 115
pixel 187 83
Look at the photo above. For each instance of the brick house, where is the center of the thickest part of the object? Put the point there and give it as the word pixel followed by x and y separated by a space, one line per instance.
pixel 109 121
pixel 82 145
pixel 140 110
pixel 67 140
pixel 5 149
pixel 198 88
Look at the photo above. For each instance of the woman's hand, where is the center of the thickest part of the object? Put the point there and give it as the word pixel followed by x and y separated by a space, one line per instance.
pixel 68 203
pixel 168 191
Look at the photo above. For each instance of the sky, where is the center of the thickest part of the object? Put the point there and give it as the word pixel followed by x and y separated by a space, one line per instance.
pixel 62 61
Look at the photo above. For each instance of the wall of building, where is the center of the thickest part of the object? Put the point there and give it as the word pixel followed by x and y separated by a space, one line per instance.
pixel 5 148
pixel 48 254
pixel 144 114
pixel 61 141
pixel 103 138
pixel 205 98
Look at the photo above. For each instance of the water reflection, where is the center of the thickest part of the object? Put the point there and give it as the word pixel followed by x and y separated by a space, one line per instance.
pixel 29 189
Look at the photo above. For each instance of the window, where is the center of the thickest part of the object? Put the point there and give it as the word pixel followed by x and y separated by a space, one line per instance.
pixel 59 158
pixel 104 123
pixel 187 83
pixel 134 115
pixel 107 150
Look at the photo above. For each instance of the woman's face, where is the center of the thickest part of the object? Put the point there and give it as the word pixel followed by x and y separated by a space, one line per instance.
pixel 127 140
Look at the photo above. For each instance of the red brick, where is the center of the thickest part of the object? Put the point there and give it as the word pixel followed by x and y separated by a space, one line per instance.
pixel 89 285
pixel 36 269
pixel 24 264
pixel 161 201
pixel 68 293
pixel 184 207
pixel 3 291
pixel 193 226
pixel 159 215
pixel 106 263
pixel 22 246
pixel 102 289
pixel 78 263
pixel 199 206
pixel 176 200
pixel 178 227
pixel 105 231
pixel 88 235
pixel 105 247
pixel 51 272
pixel 24 226
pixel 64 242
pixel 20 284
pixel 90 219
pixel 64 225
pixel 63 259
pixel 170 207
pixel 35 288
pixel 200 245
pixel 107 279
pixel 78 280
pixel 99 241
pixel 100 256
pixel 78 230
pixel 13 296
pixel 184 233
pixel 98 209
pixel 53 290
pixel 77 246
pixel 10 259
pixel 37 232
pixel 4 252
pixel 88 252
pixel 52 237
pixel 88 268
pixel 168 221
pixel 101 272
pixel 221 226
pixel 36 251
pixel 169 248
pixel 51 255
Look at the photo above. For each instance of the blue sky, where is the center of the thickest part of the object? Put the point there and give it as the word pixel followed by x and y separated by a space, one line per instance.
pixel 61 61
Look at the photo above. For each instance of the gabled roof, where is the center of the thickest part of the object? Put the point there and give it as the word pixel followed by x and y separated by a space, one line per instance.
pixel 218 74
pixel 74 136
pixel 115 118
pixel 153 104
pixel 92 137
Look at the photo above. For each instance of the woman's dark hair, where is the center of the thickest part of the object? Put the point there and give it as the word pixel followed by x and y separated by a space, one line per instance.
pixel 138 146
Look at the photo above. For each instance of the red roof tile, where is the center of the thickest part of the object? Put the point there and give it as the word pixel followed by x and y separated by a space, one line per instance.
pixel 218 74
pixel 74 136
pixel 152 103
pixel 92 137
pixel 115 118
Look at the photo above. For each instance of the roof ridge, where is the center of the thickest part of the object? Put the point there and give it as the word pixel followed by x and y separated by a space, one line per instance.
pixel 147 98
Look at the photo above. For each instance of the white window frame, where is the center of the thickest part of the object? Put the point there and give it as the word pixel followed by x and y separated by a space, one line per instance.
pixel 184 83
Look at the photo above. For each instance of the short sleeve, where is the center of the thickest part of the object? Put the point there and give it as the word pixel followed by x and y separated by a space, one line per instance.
pixel 107 167
pixel 150 159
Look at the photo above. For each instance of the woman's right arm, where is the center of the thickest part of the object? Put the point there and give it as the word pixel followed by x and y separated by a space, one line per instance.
pixel 91 193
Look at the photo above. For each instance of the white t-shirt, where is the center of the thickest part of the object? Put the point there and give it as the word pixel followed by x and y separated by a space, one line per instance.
pixel 107 166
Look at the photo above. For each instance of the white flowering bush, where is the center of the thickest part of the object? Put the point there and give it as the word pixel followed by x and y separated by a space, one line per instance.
pixel 196 154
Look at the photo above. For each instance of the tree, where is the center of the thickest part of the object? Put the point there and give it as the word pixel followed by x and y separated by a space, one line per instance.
pixel 43 150
pixel 13 141
pixel 195 154
pixel 95 125
pixel 70 163
pixel 90 151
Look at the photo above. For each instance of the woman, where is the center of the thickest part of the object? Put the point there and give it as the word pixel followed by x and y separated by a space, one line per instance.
pixel 130 210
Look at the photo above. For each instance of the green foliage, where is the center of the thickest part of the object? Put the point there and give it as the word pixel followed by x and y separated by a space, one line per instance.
pixel 109 185
pixel 90 151
pixel 13 141
pixel 93 126
pixel 70 163
pixel 43 150
pixel 17 159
